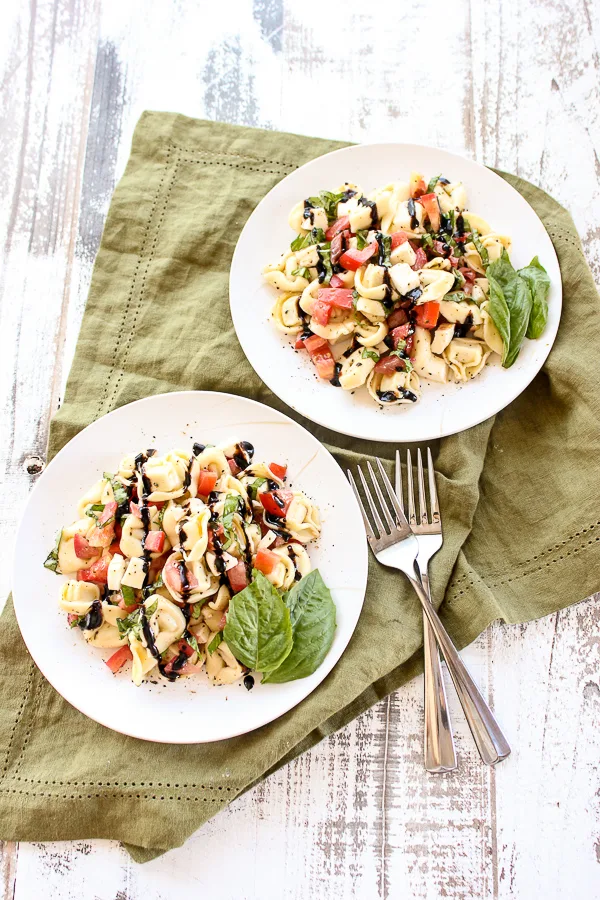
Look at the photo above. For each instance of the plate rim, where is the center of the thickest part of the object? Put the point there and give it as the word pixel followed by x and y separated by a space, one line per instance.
pixel 326 666
pixel 271 383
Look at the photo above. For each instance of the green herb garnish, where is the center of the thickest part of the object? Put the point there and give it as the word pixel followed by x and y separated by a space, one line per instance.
pixel 51 561
pixel 218 639
pixel 370 354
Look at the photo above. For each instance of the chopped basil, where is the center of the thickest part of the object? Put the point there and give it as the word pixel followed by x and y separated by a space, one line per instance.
pixel 362 239
pixel 329 202
pixel 197 608
pixel 399 352
pixel 384 243
pixel 325 269
pixel 119 490
pixel 432 183
pixel 255 487
pixel 161 515
pixel 131 625
pixel 76 622
pixel 190 638
pixel 314 236
pixel 230 507
pixel 152 588
pixel 128 594
pixel 459 296
pixel 370 354
pixel 427 239
pixel 51 561
pixel 218 639
pixel 303 272
pixel 95 508
pixel 485 258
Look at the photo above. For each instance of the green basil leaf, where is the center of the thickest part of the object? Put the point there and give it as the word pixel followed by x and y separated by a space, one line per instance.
pixel 218 639
pixel 303 272
pixel 427 240
pixel 325 257
pixel 256 486
pixel 370 354
pixel 128 594
pixel 510 306
pixel 197 608
pixel 191 639
pixel 258 630
pixel 432 183
pixel 361 239
pixel 131 625
pixel 539 284
pixel 151 608
pixel 51 561
pixel 152 588
pixel 75 623
pixel 121 495
pixel 485 257
pixel 307 239
pixel 329 202
pixel 313 622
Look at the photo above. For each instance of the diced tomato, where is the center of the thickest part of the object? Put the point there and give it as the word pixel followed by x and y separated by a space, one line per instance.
pixel 410 343
pixel 118 659
pixel 420 259
pixel 235 469
pixel 336 282
pixel 135 510
pixel 388 364
pixel 184 647
pixel 315 343
pixel 431 205
pixel 417 185
pixel 337 247
pixel 300 343
pixel 266 561
pixel 189 668
pixel 453 261
pixel 279 541
pixel 115 547
pixel 223 621
pixel 128 607
pixel 427 314
pixel 157 503
pixel 469 274
pixel 206 482
pixel 276 502
pixel 172 576
pixel 103 535
pixel 155 541
pixel 354 259
pixel 83 548
pixel 341 224
pixel 237 577
pixel 467 288
pixel 398 317
pixel 118 531
pixel 277 470
pixel 219 533
pixel 321 311
pixel 400 334
pixel 321 355
pixel 97 572
pixel 338 297
pixel 398 237
pixel 72 617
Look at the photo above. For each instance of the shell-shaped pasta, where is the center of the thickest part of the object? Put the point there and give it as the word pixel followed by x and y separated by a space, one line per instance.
pixel 143 661
pixel 403 253
pixel 434 368
pixel 491 335
pixel 284 280
pixel 495 244
pixel 257 470
pixel 402 218
pixel 222 666
pixel 296 217
pixel 438 262
pixel 108 635
pixel 396 383
pixel 172 514
pixel 192 532
pixel 387 200
pixel 303 521
pixel 369 282
pixel 476 223
pixel 435 284
pixel 214 459
pixel 229 484
pixel 451 196
pixel 285 314
pixel 309 295
pixel 167 475
pixel 340 325
pixel 466 357
pixel 167 622
pixel 214 610
pixel 442 337
pixel 355 370
pixel 308 257
pixel 373 310
pixel 100 492
pixel 208 582
pixel 77 597
pixel 127 467
pixel 472 258
pixel 369 334
pixel 133 533
pixel 458 311
pixel 68 561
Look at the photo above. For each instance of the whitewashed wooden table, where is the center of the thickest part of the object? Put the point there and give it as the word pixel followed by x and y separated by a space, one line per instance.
pixel 511 85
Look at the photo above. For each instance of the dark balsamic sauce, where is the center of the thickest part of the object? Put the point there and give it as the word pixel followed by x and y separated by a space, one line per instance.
pixel 347 195
pixel 335 381
pixel 93 618
pixel 373 207
pixel 248 682
pixel 414 222
pixel 197 449
pixel 244 451
pixel 391 396
pixel 292 556
pixel 460 330
pixel 274 523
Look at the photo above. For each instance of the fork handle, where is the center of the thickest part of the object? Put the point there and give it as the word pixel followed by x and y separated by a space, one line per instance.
pixel 488 737
pixel 440 755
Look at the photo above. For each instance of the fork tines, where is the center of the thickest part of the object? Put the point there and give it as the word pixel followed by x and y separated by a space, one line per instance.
pixel 395 520
pixel 424 521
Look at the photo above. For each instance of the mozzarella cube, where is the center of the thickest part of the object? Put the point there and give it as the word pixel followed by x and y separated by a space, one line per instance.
pixel 308 257
pixel 403 253
pixel 360 217
pixel 136 573
pixel 116 570
pixel 404 278
pixel 317 218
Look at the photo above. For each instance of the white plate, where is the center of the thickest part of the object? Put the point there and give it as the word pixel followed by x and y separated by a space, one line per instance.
pixel 442 409
pixel 190 710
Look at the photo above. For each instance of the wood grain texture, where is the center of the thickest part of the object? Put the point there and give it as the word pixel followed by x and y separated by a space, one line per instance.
pixel 514 86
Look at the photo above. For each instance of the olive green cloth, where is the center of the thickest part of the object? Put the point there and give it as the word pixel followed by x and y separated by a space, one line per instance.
pixel 518 492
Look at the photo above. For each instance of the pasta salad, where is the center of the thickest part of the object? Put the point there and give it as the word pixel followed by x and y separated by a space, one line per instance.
pixel 196 561
pixel 401 285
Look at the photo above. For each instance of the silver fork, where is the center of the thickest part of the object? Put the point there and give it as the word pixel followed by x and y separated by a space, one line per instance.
pixel 440 754
pixel 397 547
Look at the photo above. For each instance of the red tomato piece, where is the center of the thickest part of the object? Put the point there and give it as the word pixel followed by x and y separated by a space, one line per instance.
pixel 338 297
pixel 277 470
pixel 321 311
pixel 237 577
pixel 398 317
pixel 235 469
pixel 417 186
pixel 219 533
pixel 398 237
pixel 469 274
pixel 321 355
pixel 118 659
pixel 276 502
pixel 389 364
pixel 453 261
pixel 189 668
pixel 184 647
pixel 97 572
pixel 104 533
pixel 341 224
pixel 173 578
pixel 72 617
pixel 300 345
pixel 127 607
pixel 354 259
pixel 206 482
pixel 467 288
pixel 336 282
pixel 83 548
pixel 114 548
pixel 135 510
pixel 431 205
pixel 315 343
pixel 266 561
pixel 155 541
pixel 400 334
pixel 427 314
pixel 420 259
pixel 410 343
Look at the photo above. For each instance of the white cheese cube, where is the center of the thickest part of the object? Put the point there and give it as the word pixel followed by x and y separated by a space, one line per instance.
pixel 403 253
pixel 404 278
pixel 116 570
pixel 360 217
pixel 317 218
pixel 135 575
pixel 307 257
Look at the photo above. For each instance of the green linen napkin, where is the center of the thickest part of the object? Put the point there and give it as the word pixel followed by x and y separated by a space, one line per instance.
pixel 522 536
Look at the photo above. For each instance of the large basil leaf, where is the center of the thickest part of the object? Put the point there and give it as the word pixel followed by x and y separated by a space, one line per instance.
pixel 510 306
pixel 258 629
pixel 312 615
pixel 539 284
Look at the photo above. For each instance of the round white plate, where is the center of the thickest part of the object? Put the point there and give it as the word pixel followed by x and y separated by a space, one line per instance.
pixel 191 710
pixel 442 409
